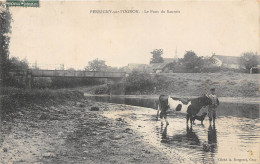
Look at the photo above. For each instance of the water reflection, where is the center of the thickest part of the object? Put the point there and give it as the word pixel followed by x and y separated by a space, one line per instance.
pixel 188 138
pixel 192 136
pixel 164 134
pixel 212 138
pixel 190 142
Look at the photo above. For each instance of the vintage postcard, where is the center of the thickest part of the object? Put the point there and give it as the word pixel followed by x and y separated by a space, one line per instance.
pixel 142 81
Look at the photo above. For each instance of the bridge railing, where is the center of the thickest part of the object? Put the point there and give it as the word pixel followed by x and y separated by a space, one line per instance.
pixel 69 73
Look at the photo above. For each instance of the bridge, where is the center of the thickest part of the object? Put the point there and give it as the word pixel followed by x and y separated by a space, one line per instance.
pixel 69 73
pixel 31 73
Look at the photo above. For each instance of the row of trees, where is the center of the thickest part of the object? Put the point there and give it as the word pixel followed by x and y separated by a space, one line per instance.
pixel 191 61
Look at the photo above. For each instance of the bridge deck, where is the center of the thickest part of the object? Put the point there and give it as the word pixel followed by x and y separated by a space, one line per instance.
pixel 68 73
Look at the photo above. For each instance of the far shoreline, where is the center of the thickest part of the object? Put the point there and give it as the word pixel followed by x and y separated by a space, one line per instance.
pixel 243 100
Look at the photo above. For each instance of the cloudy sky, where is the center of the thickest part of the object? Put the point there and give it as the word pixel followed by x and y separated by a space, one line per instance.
pixel 67 32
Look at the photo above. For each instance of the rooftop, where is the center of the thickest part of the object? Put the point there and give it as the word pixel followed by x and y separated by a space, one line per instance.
pixel 228 59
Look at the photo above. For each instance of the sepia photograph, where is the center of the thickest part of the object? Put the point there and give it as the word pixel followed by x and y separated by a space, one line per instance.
pixel 120 81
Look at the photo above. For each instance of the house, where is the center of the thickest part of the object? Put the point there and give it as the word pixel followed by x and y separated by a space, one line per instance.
pixel 226 61
pixel 158 67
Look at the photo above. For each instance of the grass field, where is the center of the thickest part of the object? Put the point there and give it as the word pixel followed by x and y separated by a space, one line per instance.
pixel 227 84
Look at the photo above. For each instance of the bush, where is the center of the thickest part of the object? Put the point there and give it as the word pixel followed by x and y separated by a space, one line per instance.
pixel 17 81
pixel 137 81
pixel 42 82
pixel 102 90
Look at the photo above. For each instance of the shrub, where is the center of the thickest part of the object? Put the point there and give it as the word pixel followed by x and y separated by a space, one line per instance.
pixel 137 81
pixel 102 90
pixel 13 81
pixel 42 82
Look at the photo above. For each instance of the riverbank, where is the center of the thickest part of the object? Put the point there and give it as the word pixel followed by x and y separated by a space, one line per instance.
pixel 227 84
pixel 46 129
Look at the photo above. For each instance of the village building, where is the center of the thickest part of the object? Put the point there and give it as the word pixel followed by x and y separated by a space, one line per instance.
pixel 226 61
pixel 159 67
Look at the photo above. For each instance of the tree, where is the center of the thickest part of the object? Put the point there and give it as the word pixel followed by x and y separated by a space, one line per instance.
pixel 96 65
pixel 17 64
pixel 248 60
pixel 157 56
pixel 209 61
pixel 5 30
pixel 191 60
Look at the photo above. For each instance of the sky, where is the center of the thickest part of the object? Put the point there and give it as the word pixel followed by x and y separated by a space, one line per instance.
pixel 66 32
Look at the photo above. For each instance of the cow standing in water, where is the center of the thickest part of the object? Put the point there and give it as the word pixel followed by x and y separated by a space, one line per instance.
pixel 191 107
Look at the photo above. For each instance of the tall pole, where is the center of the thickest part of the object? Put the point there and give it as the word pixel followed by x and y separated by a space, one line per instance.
pixel 176 56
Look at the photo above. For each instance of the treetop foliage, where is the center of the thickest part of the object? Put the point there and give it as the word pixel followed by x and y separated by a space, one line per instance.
pixel 157 56
pixel 248 60
pixel 96 65
pixel 191 60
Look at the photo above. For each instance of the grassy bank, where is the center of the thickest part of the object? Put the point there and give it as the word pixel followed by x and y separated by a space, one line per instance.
pixel 227 84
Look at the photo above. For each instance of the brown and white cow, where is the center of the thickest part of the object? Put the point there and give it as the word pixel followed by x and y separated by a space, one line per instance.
pixel 191 107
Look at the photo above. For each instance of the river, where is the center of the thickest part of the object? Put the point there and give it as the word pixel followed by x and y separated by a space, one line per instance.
pixel 233 139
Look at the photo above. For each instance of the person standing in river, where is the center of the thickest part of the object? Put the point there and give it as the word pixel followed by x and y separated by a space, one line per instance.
pixel 213 106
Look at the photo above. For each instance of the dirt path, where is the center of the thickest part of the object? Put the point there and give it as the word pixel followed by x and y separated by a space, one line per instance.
pixel 72 133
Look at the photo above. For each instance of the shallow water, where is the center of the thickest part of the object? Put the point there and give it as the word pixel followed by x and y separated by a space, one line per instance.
pixel 234 138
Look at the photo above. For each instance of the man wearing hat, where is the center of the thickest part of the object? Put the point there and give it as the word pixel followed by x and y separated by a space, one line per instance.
pixel 213 106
